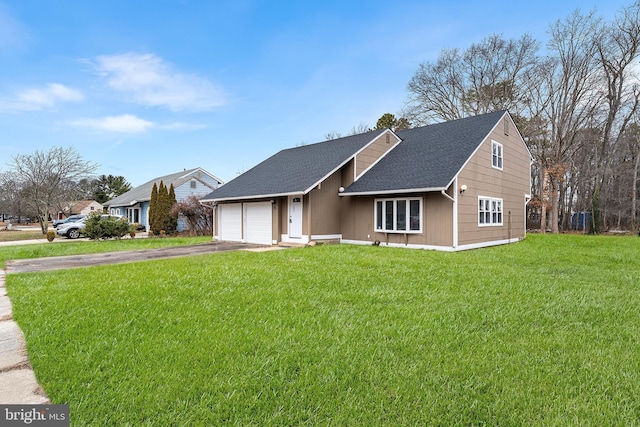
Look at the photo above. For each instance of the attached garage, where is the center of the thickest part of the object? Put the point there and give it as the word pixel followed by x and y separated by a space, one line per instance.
pixel 230 220
pixel 246 222
pixel 258 225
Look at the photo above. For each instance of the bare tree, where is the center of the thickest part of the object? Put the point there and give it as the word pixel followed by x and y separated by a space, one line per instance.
pixel 634 151
pixel 332 135
pixel 486 77
pixel 198 216
pixel 355 130
pixel 361 128
pixel 570 83
pixel 47 179
pixel 617 47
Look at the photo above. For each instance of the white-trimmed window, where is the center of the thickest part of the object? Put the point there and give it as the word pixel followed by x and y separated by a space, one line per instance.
pixel 496 155
pixel 133 215
pixel 398 215
pixel 489 211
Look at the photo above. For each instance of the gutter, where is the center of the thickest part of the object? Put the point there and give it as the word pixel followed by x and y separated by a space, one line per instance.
pixel 252 197
pixel 444 193
pixel 396 191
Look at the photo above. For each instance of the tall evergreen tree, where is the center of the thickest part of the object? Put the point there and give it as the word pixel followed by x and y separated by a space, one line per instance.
pixel 173 219
pixel 162 211
pixel 153 207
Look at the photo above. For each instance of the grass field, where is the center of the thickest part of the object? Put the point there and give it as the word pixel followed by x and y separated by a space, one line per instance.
pixel 543 332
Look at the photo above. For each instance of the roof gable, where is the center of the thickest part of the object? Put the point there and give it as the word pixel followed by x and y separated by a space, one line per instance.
pixel 428 158
pixel 294 170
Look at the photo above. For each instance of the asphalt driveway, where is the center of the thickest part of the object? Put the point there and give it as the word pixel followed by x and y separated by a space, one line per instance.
pixel 87 260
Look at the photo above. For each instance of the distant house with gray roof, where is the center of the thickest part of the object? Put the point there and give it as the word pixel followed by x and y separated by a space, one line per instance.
pixel 449 186
pixel 134 204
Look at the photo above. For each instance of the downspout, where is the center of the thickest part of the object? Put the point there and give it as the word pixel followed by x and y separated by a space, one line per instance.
pixel 308 217
pixel 214 221
pixel 454 199
pixel 527 199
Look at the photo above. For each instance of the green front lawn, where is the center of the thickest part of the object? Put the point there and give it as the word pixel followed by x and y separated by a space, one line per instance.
pixel 543 332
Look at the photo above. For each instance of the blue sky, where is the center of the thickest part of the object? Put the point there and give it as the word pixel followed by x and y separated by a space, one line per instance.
pixel 148 88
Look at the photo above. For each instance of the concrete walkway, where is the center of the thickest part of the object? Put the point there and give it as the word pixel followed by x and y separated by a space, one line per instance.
pixel 18 384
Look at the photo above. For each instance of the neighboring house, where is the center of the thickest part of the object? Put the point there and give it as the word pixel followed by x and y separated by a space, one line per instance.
pixel 134 204
pixel 79 207
pixel 449 186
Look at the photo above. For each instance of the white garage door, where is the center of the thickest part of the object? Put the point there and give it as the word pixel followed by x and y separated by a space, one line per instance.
pixel 230 222
pixel 258 223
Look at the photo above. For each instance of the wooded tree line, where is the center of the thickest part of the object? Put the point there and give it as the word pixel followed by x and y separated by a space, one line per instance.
pixel 575 103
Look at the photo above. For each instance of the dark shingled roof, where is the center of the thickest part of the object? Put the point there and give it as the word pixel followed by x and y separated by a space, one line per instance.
pixel 294 170
pixel 428 157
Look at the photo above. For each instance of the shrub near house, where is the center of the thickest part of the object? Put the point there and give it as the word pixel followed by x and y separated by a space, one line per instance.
pixel 105 227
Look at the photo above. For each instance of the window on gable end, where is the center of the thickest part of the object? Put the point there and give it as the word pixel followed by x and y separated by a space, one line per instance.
pixel 496 155
pixel 193 183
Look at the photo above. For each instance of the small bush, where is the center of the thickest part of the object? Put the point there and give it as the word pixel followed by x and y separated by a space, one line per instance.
pixel 51 234
pixel 98 227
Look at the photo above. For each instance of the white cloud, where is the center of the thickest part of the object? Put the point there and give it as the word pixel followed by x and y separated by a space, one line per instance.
pixel 147 79
pixel 125 123
pixel 37 99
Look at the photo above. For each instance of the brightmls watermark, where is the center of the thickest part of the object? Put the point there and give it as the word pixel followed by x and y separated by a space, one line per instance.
pixel 34 415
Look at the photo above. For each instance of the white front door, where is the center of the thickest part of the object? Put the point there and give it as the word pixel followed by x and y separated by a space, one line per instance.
pixel 295 216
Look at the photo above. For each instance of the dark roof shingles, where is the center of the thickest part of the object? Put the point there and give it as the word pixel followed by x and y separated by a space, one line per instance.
pixel 427 157
pixel 293 170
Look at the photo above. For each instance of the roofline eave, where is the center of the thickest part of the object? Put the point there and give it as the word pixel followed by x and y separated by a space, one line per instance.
pixel 131 203
pixel 253 197
pixel 398 191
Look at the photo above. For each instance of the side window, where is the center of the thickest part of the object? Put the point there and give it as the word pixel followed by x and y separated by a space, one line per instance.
pixel 489 211
pixel 496 155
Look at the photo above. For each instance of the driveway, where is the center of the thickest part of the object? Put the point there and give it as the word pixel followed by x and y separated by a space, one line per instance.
pixel 87 260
